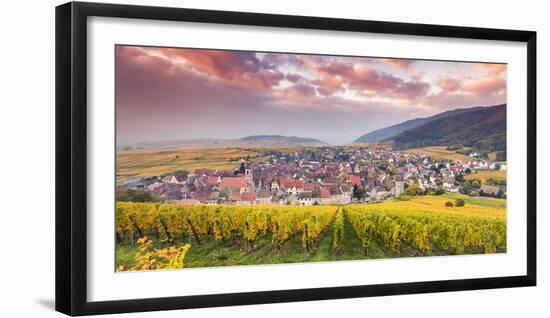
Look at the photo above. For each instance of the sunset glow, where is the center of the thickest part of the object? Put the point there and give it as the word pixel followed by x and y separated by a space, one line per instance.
pixel 172 93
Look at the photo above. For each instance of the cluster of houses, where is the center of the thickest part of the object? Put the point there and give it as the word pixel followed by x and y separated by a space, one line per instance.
pixel 328 175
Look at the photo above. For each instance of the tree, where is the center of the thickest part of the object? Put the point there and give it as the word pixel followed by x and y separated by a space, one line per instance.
pixel 439 191
pixel 460 202
pixel 495 182
pixel 455 147
pixel 413 189
pixel 241 169
pixel 357 192
pixel 131 195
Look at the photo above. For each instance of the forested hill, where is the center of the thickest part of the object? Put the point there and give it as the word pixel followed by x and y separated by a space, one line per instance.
pixel 483 129
pixel 391 131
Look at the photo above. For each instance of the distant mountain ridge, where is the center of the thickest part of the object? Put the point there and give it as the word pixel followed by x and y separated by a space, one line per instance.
pixel 267 141
pixel 379 135
pixel 278 140
pixel 483 129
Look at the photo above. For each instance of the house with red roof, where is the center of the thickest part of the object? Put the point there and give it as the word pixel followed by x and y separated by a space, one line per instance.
pixel 213 180
pixel 355 180
pixel 293 187
pixel 235 183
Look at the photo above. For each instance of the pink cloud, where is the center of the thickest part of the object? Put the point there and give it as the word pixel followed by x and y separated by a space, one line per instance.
pixel 366 80
pixel 411 90
pixel 399 63
pixel 329 85
pixel 447 83
pixel 493 69
pixel 239 68
pixel 485 86
pixel 299 91
pixel 159 89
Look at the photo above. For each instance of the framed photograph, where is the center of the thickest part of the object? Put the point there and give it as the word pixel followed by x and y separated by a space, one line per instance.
pixel 209 158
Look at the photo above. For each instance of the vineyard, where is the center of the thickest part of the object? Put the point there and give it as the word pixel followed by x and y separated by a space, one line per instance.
pixel 158 236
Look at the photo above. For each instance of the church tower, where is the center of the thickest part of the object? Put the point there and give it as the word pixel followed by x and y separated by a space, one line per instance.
pixel 248 176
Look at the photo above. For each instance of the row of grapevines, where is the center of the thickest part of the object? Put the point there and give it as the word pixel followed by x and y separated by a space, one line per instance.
pixel 338 230
pixel 423 230
pixel 203 222
pixel 314 225
pixel 362 226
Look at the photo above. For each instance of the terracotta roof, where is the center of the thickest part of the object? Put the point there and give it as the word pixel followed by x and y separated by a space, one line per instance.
pixel 288 183
pixel 356 180
pixel 212 180
pixel 330 180
pixel 233 182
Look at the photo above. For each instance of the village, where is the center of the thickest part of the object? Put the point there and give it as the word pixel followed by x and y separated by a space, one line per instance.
pixel 321 176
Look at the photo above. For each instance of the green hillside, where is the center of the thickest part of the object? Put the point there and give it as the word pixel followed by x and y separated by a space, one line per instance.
pixel 483 129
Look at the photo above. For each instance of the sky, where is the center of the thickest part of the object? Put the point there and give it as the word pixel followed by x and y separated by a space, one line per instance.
pixel 177 93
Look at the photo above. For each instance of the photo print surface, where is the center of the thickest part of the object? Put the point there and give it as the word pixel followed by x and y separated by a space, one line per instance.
pixel 227 158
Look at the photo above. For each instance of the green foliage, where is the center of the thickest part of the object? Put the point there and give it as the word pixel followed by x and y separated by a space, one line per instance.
pixel 180 171
pixel 357 193
pixel 495 182
pixel 470 186
pixel 413 190
pixel 393 228
pixel 455 147
pixel 134 195
pixel 404 198
pixel 338 231
pixel 454 232
pixel 460 202
pixel 439 191
pixel 242 168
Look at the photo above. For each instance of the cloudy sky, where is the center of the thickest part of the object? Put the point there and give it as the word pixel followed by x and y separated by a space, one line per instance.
pixel 172 93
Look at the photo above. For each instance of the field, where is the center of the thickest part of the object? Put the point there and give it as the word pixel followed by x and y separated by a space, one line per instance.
pixel 484 175
pixel 158 236
pixel 137 164
pixel 438 152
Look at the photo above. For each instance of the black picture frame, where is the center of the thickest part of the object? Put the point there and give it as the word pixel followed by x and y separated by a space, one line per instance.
pixel 71 157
